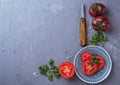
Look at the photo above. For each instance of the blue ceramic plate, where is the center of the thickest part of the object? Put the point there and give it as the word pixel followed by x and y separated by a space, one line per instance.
pixel 98 76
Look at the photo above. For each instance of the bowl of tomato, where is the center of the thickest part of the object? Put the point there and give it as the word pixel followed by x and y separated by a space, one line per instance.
pixel 92 64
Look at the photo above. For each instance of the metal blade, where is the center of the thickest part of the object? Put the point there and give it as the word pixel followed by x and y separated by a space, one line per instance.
pixel 82 10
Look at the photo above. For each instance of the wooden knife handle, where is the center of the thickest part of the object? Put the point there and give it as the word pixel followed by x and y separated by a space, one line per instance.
pixel 83 38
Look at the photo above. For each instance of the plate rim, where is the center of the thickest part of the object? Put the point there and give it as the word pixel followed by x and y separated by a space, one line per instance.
pixel 106 74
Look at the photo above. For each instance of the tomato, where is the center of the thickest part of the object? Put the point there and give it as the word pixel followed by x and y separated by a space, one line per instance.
pixel 100 23
pixel 89 69
pixel 66 69
pixel 91 64
pixel 97 9
pixel 101 62
pixel 86 56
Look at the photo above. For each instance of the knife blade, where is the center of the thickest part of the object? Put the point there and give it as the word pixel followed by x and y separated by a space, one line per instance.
pixel 83 39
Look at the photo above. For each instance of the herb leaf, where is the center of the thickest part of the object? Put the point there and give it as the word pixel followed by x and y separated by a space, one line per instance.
pixel 43 69
pixel 93 60
pixel 50 70
pixel 51 62
pixel 93 42
pixel 98 37
pixel 57 75
pixel 50 77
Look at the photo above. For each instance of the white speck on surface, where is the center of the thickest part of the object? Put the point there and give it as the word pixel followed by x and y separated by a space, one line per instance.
pixel 56 8
pixel 67 57
pixel 35 74
pixel 110 46
pixel 91 32
pixel 89 26
pixel 70 57
pixel 116 42
pixel 88 20
pixel 114 47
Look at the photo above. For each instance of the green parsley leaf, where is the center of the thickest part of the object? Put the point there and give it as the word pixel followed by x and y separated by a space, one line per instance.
pixel 43 69
pixel 50 70
pixel 55 71
pixel 51 62
pixel 50 77
pixel 98 37
pixel 93 42
pixel 105 38
pixel 93 60
pixel 57 75
pixel 53 67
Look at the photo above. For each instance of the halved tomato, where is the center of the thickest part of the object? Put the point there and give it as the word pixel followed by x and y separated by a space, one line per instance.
pixel 100 23
pixel 89 69
pixel 86 56
pixel 101 62
pixel 97 9
pixel 66 69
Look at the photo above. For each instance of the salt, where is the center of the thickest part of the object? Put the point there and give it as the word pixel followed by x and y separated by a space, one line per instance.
pixel 35 74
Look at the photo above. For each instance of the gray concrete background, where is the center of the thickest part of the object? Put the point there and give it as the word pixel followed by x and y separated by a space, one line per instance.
pixel 33 31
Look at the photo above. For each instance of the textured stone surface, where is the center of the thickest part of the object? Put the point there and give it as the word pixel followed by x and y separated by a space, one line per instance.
pixel 33 31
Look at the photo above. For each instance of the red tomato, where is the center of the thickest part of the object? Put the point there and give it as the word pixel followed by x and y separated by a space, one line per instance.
pixel 86 56
pixel 66 69
pixel 97 9
pixel 101 62
pixel 100 23
pixel 89 69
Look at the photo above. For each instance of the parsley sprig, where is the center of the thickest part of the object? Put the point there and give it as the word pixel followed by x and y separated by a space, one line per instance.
pixel 98 37
pixel 93 60
pixel 49 71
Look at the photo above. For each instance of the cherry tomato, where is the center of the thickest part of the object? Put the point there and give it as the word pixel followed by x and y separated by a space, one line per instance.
pixel 86 56
pixel 89 69
pixel 100 23
pixel 101 62
pixel 66 69
pixel 97 9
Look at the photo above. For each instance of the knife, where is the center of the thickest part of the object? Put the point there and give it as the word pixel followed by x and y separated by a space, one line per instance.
pixel 83 39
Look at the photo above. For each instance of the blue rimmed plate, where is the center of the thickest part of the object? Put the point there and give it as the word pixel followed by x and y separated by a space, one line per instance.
pixel 98 76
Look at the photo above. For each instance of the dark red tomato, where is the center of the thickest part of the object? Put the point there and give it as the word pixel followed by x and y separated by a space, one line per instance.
pixel 66 69
pixel 89 69
pixel 86 56
pixel 101 62
pixel 97 9
pixel 100 23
